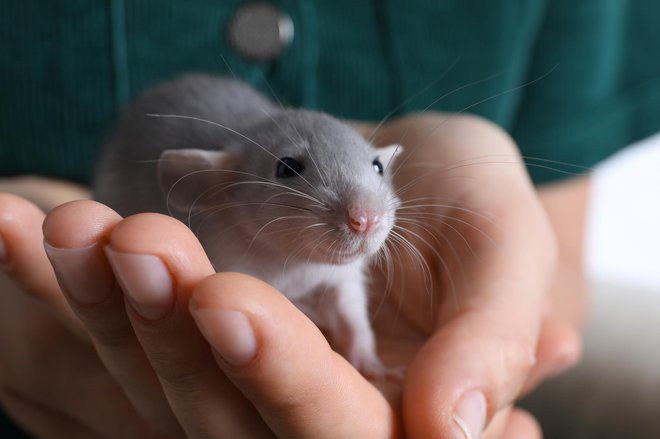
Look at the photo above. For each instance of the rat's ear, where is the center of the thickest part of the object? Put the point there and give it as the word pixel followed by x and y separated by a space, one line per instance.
pixel 388 153
pixel 187 177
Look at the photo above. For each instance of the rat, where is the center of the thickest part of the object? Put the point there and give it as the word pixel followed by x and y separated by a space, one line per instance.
pixel 293 197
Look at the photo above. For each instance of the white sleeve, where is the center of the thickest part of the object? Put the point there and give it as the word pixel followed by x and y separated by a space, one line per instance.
pixel 622 238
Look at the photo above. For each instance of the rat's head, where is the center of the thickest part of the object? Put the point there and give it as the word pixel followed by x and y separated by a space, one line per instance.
pixel 300 183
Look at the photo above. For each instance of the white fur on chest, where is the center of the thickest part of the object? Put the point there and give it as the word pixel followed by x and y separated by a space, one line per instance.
pixel 297 281
pixel 334 297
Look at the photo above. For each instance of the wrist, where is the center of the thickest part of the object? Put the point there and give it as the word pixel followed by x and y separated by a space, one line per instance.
pixel 566 205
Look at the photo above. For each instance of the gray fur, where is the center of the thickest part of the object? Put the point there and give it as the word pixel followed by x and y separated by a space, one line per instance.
pixel 140 138
pixel 220 178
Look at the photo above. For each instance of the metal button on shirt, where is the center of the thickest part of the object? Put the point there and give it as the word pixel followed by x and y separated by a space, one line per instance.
pixel 259 31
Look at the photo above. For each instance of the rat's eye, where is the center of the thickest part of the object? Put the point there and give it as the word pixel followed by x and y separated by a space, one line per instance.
pixel 288 167
pixel 378 166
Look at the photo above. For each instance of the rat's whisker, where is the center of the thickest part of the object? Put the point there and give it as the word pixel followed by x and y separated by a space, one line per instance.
pixel 455 114
pixel 311 226
pixel 420 92
pixel 316 203
pixel 447 242
pixel 408 204
pixel 281 218
pixel 416 254
pixel 288 190
pixel 194 173
pixel 231 130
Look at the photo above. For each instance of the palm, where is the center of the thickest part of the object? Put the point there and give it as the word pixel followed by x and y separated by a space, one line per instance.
pixel 455 240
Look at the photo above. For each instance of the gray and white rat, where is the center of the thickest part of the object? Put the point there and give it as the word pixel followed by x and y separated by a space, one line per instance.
pixel 293 197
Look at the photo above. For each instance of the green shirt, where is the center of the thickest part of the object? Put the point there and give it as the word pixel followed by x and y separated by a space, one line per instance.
pixel 571 81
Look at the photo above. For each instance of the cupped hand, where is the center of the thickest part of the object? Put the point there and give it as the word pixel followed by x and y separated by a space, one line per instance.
pixel 143 286
pixel 470 322
pixel 147 371
pixel 469 271
pixel 467 310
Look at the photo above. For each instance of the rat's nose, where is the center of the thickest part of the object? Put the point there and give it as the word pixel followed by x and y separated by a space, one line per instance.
pixel 362 220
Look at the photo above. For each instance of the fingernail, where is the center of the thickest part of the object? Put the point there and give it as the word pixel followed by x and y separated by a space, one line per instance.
pixel 470 414
pixel 146 282
pixel 229 332
pixel 81 272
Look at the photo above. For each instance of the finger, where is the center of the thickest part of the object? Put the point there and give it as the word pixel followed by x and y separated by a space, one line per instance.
pixel 158 262
pixel 476 362
pixel 559 348
pixel 282 363
pixel 43 422
pixel 80 401
pixel 509 423
pixel 75 234
pixel 23 258
pixel 496 426
pixel 47 420
pixel 521 425
pixel 55 371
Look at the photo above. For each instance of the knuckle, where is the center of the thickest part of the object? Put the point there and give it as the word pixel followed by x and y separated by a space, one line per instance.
pixel 110 330
pixel 183 375
pixel 112 337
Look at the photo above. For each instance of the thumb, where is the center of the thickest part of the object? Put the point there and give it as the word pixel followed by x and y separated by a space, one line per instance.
pixel 465 374
pixel 282 363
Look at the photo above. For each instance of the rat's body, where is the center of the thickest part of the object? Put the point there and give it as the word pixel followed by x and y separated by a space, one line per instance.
pixel 293 197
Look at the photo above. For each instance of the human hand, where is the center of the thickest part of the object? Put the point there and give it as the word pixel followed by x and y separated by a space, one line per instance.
pixel 486 254
pixel 294 385
pixel 283 396
pixel 54 384
pixel 51 380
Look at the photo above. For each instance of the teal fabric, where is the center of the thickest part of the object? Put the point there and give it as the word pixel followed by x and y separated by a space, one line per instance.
pixel 571 81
